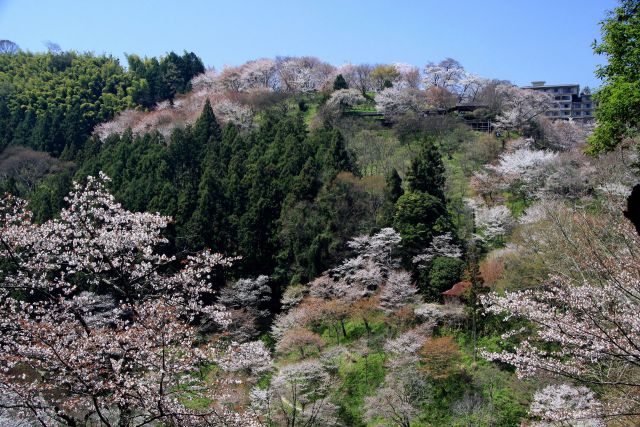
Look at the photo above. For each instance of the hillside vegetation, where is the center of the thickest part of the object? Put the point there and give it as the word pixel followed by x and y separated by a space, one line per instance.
pixel 289 243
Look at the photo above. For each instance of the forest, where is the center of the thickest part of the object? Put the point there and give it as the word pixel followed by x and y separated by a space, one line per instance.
pixel 291 243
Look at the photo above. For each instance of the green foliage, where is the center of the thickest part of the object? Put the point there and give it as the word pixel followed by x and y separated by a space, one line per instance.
pixel 157 80
pixel 315 227
pixel 618 100
pixel 443 273
pixel 272 194
pixel 427 173
pixel 52 101
pixel 418 218
pixel 340 83
pixel 394 186
pixel 360 376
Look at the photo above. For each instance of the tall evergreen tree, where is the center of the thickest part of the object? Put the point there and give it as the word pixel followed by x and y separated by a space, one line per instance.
pixel 338 157
pixel 340 83
pixel 427 171
pixel 209 214
pixel 207 126
pixel 394 186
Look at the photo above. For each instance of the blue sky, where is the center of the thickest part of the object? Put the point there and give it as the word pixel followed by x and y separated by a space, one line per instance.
pixel 517 40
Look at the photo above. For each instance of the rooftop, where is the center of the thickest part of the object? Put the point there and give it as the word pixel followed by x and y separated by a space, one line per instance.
pixel 541 83
pixel 458 289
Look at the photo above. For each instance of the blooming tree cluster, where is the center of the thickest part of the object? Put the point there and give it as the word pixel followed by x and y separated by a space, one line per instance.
pixel 256 74
pixel 451 76
pixel 340 100
pixel 564 134
pixel 96 324
pixel 441 245
pixel 395 101
pixel 523 164
pixel 398 292
pixel 235 91
pixel 400 398
pixel 521 106
pixel 494 221
pixel 523 171
pixel 247 303
pixel 361 275
pixel 408 76
pixel 584 322
pixel 298 395
pixel 563 403
pixel 251 357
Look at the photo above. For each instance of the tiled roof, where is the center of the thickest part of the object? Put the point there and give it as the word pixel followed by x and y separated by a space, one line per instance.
pixel 458 289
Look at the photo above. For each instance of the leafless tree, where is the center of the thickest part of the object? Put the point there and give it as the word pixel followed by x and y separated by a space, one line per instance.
pixel 7 46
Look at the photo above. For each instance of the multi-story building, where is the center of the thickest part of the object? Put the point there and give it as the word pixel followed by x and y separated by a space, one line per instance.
pixel 569 102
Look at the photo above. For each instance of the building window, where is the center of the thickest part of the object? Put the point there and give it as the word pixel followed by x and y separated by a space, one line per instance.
pixel 577 113
pixel 588 105
pixel 556 90
pixel 587 113
pixel 566 113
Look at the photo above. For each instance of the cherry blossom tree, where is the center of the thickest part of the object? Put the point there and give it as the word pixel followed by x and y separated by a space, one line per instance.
pixel 299 339
pixel 583 321
pixel 446 74
pixel 398 292
pixel 204 82
pixel 303 74
pixel 524 167
pixel 298 396
pixel 247 301
pixel 395 101
pixel 564 134
pixel 521 106
pixel 470 87
pixel 340 100
pixel 450 77
pixel 399 399
pixel 251 357
pixel 253 294
pixel 361 275
pixel 441 245
pixel 409 342
pixel 440 97
pixel 229 79
pixel 408 76
pixel 293 295
pixel 97 326
pixel 234 112
pixel 493 222
pixel 259 74
pixel 567 405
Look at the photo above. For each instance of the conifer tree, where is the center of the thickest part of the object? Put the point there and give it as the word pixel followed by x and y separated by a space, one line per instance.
pixel 394 185
pixel 340 83
pixel 207 126
pixel 426 174
pixel 339 157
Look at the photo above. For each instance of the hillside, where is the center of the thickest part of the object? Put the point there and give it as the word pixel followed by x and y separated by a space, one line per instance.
pixel 290 243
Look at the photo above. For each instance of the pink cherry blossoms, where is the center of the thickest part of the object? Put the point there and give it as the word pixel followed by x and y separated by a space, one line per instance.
pixel 583 323
pixel 97 326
